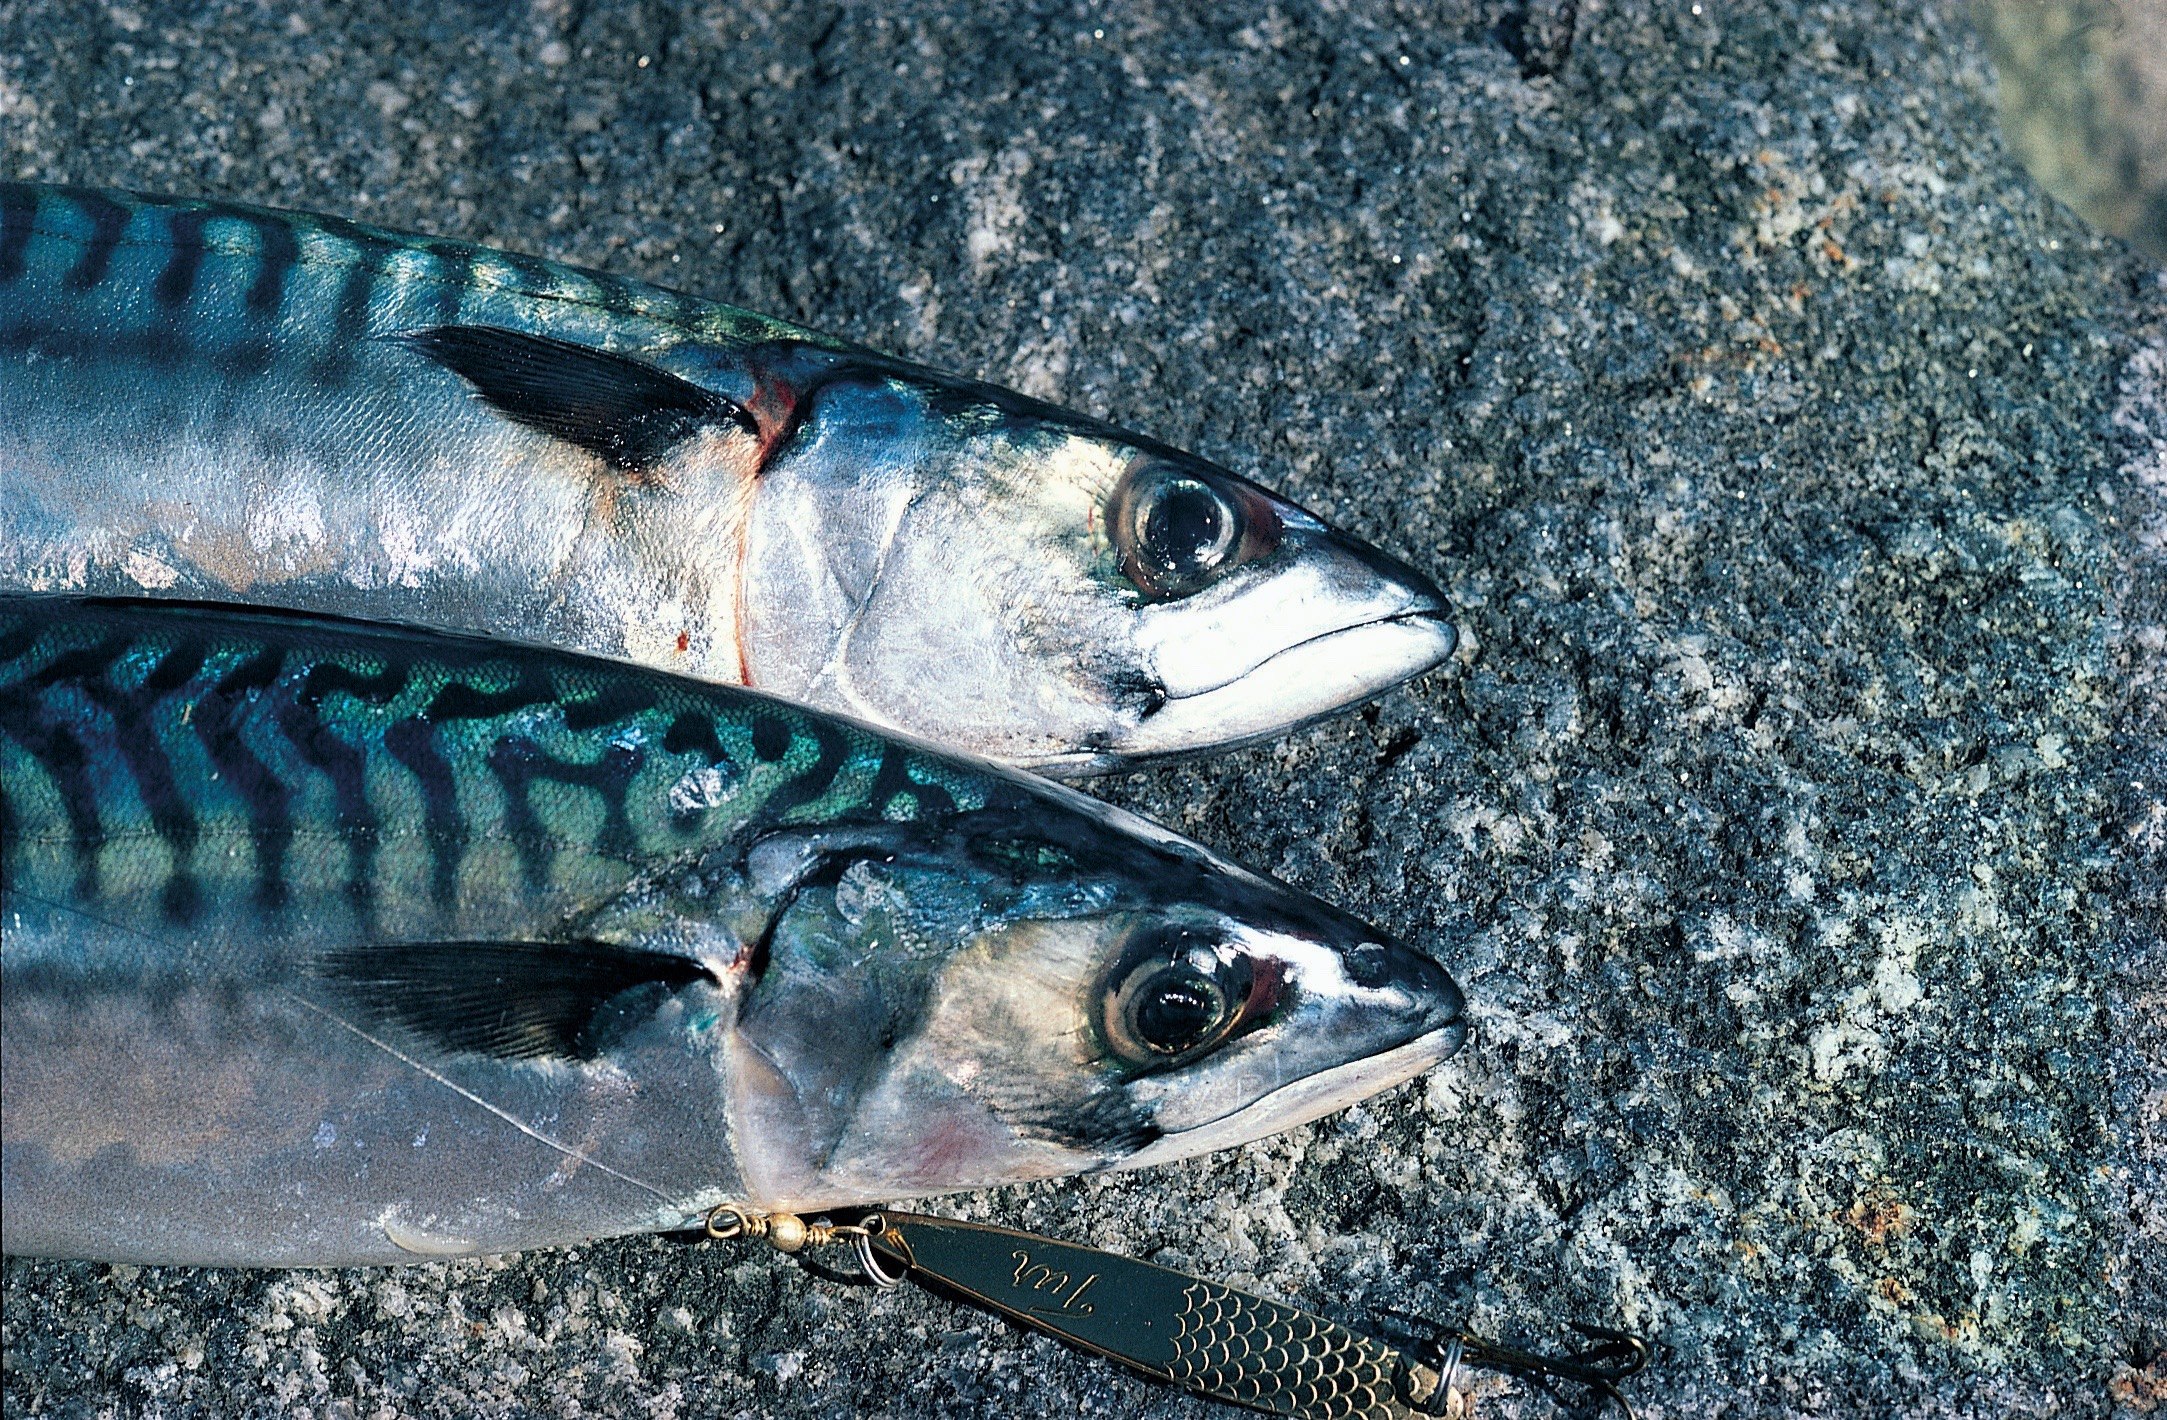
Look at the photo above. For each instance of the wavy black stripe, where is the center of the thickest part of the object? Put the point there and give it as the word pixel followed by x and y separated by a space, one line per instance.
pixel 615 294
pixel 891 779
pixel 518 762
pixel 619 700
pixel 461 701
pixel 770 738
pixel 350 315
pixel 814 780
pixel 79 663
pixel 455 272
pixel 61 755
pixel 934 802
pixel 928 801
pixel 536 276
pixel 219 716
pixel 279 251
pixel 355 303
pixel 18 219
pixel 306 729
pixel 686 311
pixel 695 731
pixel 10 834
pixel 184 258
pixel 174 670
pixel 108 220
pixel 328 678
pixel 412 742
pixel 16 641
pixel 135 738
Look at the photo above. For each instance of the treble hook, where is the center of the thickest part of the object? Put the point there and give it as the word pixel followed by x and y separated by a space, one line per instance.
pixel 1614 1356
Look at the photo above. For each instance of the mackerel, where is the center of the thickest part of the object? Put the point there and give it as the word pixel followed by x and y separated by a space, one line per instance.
pixel 328 943
pixel 206 400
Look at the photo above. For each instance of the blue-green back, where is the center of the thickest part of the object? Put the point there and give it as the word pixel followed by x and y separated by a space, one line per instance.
pixel 190 769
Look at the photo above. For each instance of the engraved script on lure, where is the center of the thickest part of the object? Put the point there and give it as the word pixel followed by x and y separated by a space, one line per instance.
pixel 1066 1293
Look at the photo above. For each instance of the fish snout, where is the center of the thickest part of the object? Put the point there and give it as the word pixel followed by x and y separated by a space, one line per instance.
pixel 1380 1000
pixel 1409 985
pixel 1325 622
pixel 1360 1013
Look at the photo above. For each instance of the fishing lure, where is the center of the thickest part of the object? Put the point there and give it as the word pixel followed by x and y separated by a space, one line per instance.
pixel 331 943
pixel 1213 1340
pixel 203 400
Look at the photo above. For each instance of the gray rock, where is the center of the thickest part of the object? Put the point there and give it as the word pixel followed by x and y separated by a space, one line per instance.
pixel 1793 815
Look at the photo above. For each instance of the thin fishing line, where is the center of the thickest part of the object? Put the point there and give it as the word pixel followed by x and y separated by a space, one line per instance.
pixel 507 1116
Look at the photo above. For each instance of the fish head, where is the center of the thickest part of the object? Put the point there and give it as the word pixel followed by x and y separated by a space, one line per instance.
pixel 1022 996
pixel 988 571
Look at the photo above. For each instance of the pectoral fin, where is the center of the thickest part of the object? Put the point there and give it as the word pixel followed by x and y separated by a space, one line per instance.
pixel 625 410
pixel 511 1000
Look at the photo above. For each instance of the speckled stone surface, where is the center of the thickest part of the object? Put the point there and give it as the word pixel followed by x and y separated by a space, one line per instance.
pixel 1793 814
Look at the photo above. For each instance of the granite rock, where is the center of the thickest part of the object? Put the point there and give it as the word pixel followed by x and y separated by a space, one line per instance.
pixel 1792 813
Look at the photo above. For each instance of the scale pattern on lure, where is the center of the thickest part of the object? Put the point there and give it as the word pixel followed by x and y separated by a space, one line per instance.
pixel 1261 1353
pixel 329 942
pixel 204 400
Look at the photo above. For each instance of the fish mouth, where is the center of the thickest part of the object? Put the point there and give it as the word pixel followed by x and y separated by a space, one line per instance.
pixel 1311 1097
pixel 1296 685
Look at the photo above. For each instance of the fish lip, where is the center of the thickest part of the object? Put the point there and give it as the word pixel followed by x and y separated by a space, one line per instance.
pixel 1175 727
pixel 1399 627
pixel 1442 619
pixel 1410 596
pixel 1311 1097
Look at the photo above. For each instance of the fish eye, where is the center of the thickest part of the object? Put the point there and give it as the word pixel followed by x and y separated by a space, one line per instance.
pixel 1179 529
pixel 1184 526
pixel 1171 996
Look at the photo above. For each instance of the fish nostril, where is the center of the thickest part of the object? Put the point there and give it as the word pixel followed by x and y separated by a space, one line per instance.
pixel 1429 986
pixel 1368 965
pixel 1376 965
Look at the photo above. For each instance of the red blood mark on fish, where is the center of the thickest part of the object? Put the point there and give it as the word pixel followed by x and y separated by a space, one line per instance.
pixel 775 410
pixel 1267 980
pixel 952 1145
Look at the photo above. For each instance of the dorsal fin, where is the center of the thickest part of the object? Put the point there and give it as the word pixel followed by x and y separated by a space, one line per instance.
pixel 511 1000
pixel 627 411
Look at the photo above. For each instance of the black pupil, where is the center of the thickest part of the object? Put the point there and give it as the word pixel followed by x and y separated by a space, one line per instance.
pixel 1176 1011
pixel 1186 526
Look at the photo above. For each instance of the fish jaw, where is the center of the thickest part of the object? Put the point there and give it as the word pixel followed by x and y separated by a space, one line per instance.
pixel 1305 1100
pixel 1326 623
pixel 1365 1015
pixel 1306 682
